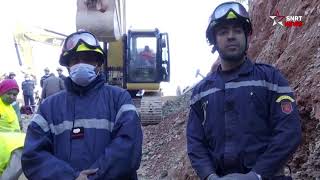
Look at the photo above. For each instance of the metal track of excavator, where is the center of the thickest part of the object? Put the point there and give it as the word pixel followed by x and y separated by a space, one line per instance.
pixel 150 109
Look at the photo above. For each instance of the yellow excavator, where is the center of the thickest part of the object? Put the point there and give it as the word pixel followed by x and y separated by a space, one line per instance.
pixel 125 68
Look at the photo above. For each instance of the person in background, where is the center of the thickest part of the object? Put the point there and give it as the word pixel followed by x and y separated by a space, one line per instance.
pixel 12 75
pixel 51 86
pixel 89 131
pixel 243 123
pixel 11 138
pixel 15 104
pixel 9 90
pixel 60 74
pixel 147 56
pixel 45 76
pixel 28 86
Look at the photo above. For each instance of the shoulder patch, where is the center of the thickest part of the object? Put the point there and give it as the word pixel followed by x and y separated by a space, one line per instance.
pixel 284 97
pixel 286 107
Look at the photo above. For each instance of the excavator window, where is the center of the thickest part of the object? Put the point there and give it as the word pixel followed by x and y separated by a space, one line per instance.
pixel 143 61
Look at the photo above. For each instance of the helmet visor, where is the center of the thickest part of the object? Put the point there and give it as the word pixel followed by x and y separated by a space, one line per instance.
pixel 73 40
pixel 224 8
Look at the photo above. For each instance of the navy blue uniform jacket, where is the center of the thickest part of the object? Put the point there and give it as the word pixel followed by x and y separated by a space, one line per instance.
pixel 84 128
pixel 249 119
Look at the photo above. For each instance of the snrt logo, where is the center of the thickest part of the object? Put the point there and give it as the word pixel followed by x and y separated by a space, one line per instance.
pixel 286 21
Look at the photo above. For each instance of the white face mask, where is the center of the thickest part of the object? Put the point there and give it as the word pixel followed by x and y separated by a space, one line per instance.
pixel 82 74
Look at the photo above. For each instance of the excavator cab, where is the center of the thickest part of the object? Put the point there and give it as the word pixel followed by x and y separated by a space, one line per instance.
pixel 147 57
pixel 139 62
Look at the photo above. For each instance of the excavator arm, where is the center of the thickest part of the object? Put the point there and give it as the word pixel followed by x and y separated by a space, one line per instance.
pixel 24 36
pixel 105 18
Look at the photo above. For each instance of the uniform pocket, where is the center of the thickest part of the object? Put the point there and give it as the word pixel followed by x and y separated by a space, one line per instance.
pixel 258 110
pixel 259 102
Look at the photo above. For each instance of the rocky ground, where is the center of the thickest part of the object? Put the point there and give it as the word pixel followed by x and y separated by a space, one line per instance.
pixel 164 148
pixel 296 52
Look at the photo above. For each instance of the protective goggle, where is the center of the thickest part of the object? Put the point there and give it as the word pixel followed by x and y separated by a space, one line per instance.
pixel 73 41
pixel 225 9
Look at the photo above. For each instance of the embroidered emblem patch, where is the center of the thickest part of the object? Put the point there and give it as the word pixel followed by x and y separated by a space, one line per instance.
pixel 286 107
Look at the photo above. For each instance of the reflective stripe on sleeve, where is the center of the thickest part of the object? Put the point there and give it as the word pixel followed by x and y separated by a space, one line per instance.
pixel 124 108
pixel 197 97
pixel 40 121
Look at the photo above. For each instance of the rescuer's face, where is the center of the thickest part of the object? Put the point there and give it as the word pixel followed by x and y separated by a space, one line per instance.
pixel 10 96
pixel 231 41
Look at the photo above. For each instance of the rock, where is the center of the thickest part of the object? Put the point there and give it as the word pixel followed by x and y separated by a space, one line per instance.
pixel 180 122
pixel 164 174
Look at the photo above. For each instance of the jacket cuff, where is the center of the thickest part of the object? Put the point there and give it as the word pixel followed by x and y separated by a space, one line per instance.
pixel 258 175
pixel 205 172
pixel 76 174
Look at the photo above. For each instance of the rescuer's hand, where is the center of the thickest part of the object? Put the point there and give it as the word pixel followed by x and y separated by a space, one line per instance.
pixel 213 177
pixel 238 176
pixel 85 173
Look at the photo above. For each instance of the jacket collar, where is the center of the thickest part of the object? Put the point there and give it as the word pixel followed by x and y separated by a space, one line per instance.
pixel 245 68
